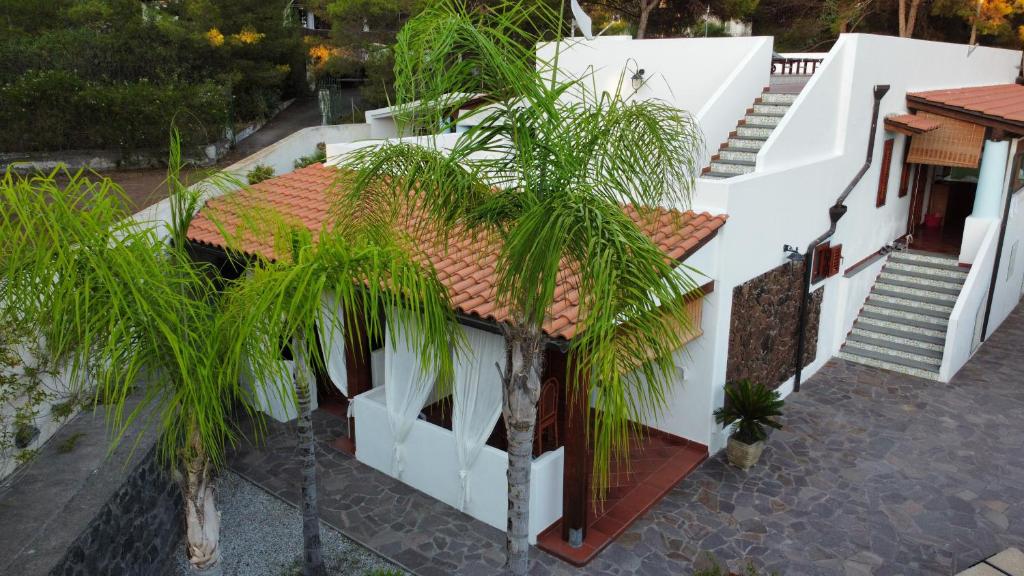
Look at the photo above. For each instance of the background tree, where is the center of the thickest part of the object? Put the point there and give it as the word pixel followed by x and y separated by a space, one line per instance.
pixel 111 74
pixel 546 174
pixel 907 14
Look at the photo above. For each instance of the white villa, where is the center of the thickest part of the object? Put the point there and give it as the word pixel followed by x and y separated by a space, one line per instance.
pixel 882 179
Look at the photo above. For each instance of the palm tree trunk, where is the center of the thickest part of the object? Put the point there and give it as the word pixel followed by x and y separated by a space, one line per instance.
pixel 202 520
pixel 523 348
pixel 312 553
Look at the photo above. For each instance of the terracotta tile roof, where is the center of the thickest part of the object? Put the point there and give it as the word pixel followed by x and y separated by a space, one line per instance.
pixel 1003 102
pixel 465 265
pixel 910 124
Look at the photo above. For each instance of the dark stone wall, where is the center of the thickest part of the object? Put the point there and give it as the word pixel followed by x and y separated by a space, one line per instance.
pixel 762 333
pixel 134 532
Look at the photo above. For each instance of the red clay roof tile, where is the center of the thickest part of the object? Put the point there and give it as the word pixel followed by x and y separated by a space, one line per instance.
pixel 465 265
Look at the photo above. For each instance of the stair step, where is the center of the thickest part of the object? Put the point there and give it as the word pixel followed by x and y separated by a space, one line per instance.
pixel 884 319
pixel 927 302
pixel 910 351
pixel 746 143
pixel 883 355
pixel 936 262
pixel 757 131
pixel 925 268
pixel 923 338
pixel 720 175
pixel 771 109
pixel 904 311
pixel 924 278
pixel 778 98
pixel 735 154
pixel 761 120
pixel 732 167
pixel 909 287
pixel 881 361
pixel 929 256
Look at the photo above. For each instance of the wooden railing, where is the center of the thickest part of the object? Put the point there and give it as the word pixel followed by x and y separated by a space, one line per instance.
pixel 795 66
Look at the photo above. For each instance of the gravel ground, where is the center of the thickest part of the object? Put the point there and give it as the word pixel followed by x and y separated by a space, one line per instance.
pixel 262 536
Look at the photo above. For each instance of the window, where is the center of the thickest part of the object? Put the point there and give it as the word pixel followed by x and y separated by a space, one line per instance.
pixel 883 178
pixel 827 261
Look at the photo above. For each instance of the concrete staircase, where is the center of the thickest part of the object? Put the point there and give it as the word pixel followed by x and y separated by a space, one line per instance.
pixel 902 326
pixel 739 155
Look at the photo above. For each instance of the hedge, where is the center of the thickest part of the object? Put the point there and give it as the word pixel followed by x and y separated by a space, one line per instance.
pixel 57 110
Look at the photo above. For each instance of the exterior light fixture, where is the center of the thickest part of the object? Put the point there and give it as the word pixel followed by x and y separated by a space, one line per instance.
pixel 637 79
pixel 792 253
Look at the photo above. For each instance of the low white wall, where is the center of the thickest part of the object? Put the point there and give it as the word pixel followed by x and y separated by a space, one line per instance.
pixel 688 73
pixel 431 465
pixel 729 103
pixel 963 336
pixel 1010 282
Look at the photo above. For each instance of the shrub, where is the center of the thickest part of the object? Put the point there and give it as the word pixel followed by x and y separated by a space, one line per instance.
pixel 753 406
pixel 259 173
pixel 318 155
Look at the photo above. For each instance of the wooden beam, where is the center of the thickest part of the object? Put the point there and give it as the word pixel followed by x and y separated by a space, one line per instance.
pixel 576 472
pixel 358 363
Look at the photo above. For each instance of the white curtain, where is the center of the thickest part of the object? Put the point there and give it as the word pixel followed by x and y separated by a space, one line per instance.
pixel 332 339
pixel 406 386
pixel 477 392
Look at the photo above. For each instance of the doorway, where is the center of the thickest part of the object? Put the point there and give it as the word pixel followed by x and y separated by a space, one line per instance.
pixel 943 198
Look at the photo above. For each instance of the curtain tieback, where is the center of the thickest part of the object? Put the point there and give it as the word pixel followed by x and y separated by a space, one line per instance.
pixel 464 492
pixel 396 460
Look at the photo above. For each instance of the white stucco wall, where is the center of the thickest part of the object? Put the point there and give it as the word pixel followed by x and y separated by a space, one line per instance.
pixel 811 158
pixel 1010 281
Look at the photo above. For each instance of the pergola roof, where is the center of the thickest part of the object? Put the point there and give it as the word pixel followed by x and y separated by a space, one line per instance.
pixel 466 264
pixel 910 124
pixel 999 106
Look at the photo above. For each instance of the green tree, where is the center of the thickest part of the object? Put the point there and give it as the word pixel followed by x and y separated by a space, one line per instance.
pixel 546 170
pixel 367 268
pixel 128 313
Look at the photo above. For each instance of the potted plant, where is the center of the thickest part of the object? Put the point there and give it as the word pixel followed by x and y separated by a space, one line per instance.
pixel 752 407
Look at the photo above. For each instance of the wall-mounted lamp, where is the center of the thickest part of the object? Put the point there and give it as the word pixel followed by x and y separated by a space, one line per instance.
pixel 638 79
pixel 792 253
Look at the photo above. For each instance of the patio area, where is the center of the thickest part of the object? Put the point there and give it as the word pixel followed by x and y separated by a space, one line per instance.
pixel 875 473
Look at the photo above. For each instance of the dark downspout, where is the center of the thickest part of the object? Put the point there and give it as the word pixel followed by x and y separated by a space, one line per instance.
pixel 835 213
pixel 999 253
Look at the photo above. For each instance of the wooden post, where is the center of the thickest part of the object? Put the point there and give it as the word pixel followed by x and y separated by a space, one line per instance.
pixel 576 472
pixel 357 364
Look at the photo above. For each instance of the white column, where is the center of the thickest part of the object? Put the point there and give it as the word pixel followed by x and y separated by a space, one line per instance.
pixel 990 179
pixel 987 198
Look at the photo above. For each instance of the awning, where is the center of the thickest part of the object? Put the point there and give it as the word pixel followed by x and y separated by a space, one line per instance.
pixel 955 143
pixel 910 124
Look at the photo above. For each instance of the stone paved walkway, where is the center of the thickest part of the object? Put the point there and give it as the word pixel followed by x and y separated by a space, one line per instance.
pixel 875 473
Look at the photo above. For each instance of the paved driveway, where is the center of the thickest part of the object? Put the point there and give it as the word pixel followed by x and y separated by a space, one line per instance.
pixel 875 473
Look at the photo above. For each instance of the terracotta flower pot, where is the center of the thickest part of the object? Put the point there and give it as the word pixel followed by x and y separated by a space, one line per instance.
pixel 743 455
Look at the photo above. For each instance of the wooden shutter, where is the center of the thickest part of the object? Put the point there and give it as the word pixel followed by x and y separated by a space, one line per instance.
pixel 883 178
pixel 905 180
pixel 822 262
pixel 835 259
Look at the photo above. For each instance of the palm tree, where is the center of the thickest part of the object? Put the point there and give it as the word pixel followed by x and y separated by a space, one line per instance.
pixel 366 268
pixel 546 168
pixel 133 317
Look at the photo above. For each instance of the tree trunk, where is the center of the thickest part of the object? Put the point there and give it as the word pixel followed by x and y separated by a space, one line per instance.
pixel 908 17
pixel 523 357
pixel 312 554
pixel 202 520
pixel 645 13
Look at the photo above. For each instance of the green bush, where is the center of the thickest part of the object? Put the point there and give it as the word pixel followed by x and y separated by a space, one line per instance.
pixel 318 155
pixel 57 110
pixel 259 173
